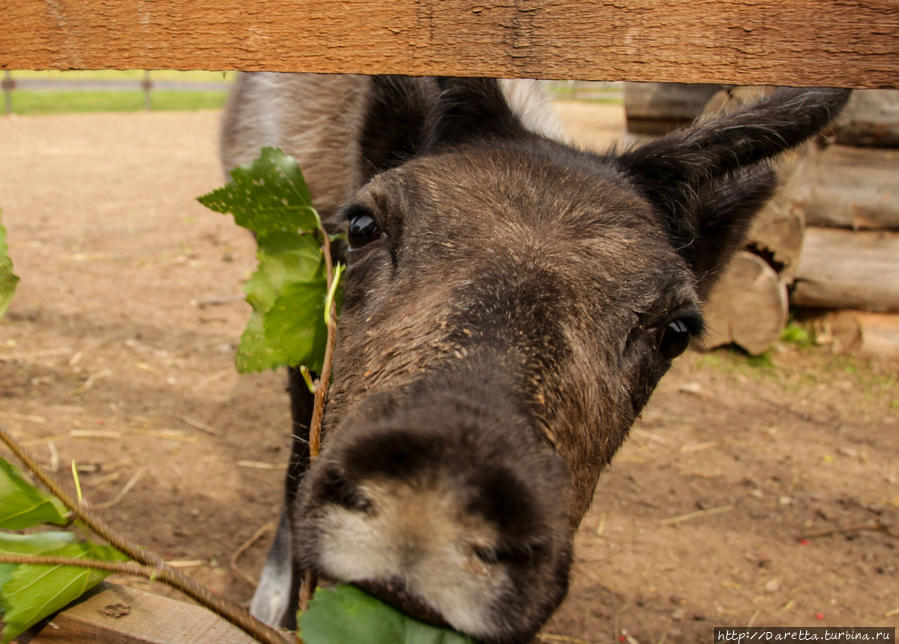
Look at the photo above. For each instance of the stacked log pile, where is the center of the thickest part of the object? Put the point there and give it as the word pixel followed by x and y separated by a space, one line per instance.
pixel 850 257
pixel 828 240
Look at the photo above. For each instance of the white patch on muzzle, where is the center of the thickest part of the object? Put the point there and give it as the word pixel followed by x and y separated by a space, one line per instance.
pixel 422 537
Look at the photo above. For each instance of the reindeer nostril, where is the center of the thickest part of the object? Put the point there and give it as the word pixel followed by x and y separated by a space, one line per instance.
pixel 487 555
pixel 333 487
pixel 515 555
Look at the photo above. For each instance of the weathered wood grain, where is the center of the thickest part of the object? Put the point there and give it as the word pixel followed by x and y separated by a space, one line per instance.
pixel 748 306
pixel 658 108
pixel 846 269
pixel 122 615
pixel 849 187
pixel 871 118
pixel 852 43
pixel 847 331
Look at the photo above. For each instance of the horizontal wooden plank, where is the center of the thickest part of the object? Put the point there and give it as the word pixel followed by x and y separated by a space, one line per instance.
pixel 848 331
pixel 841 269
pixel 123 615
pixel 871 118
pixel 747 306
pixel 851 43
pixel 850 187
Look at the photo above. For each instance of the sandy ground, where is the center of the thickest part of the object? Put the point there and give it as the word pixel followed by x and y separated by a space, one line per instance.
pixel 745 494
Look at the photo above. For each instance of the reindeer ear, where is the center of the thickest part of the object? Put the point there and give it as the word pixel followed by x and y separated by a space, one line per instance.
pixel 471 109
pixel 406 117
pixel 394 127
pixel 724 211
pixel 707 182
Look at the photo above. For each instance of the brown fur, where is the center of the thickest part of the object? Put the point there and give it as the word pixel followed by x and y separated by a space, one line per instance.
pixel 505 320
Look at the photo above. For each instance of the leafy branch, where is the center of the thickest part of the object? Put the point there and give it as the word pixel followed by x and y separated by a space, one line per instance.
pixel 119 567
pixel 294 277
pixel 295 294
pixel 159 570
pixel 295 289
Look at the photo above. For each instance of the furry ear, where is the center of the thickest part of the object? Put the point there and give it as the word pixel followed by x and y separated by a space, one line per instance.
pixel 395 126
pixel 723 214
pixel 406 117
pixel 707 182
pixel 471 109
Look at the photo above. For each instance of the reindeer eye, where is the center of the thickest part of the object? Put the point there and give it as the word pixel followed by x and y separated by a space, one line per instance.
pixel 674 339
pixel 362 229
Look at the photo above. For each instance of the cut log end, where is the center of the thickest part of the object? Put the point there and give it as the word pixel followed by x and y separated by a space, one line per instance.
pixel 748 306
pixel 842 269
pixel 874 335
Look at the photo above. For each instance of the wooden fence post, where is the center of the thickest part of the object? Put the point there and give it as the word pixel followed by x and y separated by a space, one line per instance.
pixel 8 85
pixel 147 85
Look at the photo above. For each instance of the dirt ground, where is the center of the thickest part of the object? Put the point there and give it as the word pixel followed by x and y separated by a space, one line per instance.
pixel 750 492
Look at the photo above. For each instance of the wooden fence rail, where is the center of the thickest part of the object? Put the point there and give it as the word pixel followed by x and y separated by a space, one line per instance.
pixel 846 43
pixel 850 43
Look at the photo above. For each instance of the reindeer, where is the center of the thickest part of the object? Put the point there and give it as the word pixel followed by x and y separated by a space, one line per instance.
pixel 511 301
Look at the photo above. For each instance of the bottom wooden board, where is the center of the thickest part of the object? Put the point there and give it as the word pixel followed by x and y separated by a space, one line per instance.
pixel 122 615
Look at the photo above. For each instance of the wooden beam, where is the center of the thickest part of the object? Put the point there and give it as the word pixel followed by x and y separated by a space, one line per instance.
pixel 850 187
pixel 123 615
pixel 851 43
pixel 843 269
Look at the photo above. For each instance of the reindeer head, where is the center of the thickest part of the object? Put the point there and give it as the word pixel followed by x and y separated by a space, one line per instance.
pixel 511 302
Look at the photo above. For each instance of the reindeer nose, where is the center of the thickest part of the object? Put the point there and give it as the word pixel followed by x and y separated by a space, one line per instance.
pixel 446 503
pixel 423 492
pixel 429 521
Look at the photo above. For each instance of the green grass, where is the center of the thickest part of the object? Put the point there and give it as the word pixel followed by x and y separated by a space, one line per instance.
pixel 733 360
pixel 798 335
pixel 59 102
pixel 188 100
pixel 127 74
pixel 75 101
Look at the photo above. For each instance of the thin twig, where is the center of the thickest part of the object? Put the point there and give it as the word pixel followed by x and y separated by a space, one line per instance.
pixel 8 357
pixel 259 465
pixel 268 527
pixel 218 300
pixel 54 457
pixel 307 587
pixel 875 527
pixel 697 514
pixel 91 379
pixel 203 427
pixel 160 570
pixel 752 617
pixel 321 392
pixel 120 567
pixel 121 495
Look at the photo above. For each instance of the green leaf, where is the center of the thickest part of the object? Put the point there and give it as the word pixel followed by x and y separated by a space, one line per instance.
pixel 287 292
pixel 289 279
pixel 8 279
pixel 30 544
pixel 347 614
pixel 283 258
pixel 253 353
pixel 295 325
pixel 267 195
pixel 35 543
pixel 29 593
pixel 22 505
